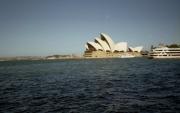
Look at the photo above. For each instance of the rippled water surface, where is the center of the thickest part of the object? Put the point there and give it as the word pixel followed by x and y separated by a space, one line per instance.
pixel 90 86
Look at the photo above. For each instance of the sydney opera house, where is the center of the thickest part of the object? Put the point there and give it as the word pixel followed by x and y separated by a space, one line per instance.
pixel 103 47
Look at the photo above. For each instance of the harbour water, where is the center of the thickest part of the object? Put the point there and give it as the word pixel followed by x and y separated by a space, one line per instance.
pixel 90 86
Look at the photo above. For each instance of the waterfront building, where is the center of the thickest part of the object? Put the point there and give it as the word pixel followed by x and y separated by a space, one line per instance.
pixel 104 46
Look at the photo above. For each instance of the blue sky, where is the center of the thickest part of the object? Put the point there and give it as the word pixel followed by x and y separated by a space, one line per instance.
pixel 46 27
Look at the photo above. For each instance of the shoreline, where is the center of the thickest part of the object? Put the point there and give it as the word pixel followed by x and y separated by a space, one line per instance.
pixel 70 58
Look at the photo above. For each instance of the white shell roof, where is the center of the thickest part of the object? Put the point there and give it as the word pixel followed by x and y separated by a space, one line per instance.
pixel 86 46
pixel 138 49
pixel 121 46
pixel 95 45
pixel 109 41
pixel 103 44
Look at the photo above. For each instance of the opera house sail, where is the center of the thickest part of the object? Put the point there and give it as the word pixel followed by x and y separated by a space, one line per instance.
pixel 104 47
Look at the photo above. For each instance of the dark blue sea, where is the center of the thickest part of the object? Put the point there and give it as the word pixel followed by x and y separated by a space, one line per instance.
pixel 136 85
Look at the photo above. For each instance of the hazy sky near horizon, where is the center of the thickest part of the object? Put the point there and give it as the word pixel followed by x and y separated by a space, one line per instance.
pixel 46 27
